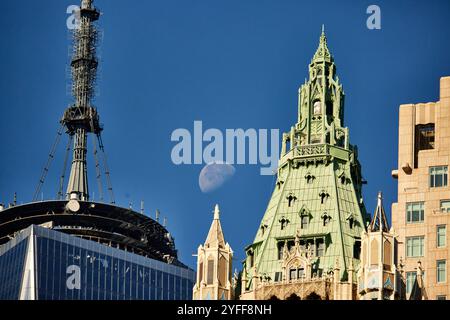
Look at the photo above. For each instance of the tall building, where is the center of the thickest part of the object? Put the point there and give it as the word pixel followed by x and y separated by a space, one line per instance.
pixel 421 215
pixel 137 254
pixel 378 276
pixel 214 265
pixel 309 240
pixel 44 264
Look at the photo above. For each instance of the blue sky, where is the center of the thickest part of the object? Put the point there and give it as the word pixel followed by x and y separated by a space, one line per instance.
pixel 231 64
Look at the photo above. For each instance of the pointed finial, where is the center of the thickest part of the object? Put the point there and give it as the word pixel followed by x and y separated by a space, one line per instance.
pixel 322 52
pixel 216 212
pixel 380 198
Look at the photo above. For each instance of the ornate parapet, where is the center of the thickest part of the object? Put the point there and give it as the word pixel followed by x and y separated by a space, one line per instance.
pixel 315 289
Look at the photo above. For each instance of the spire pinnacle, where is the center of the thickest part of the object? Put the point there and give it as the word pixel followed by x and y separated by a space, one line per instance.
pixel 215 235
pixel 216 212
pixel 379 221
pixel 322 52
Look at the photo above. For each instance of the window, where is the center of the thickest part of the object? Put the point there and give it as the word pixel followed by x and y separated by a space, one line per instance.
pixel 292 274
pixel 410 279
pixel 415 212
pixel 296 273
pixel 251 257
pixel 310 247
pixel 309 178
pixel 326 219
pixel 263 229
pixel 329 106
pixel 210 275
pixel 438 176
pixel 440 271
pixel 414 246
pixel 320 247
pixel 424 139
pixel 304 222
pixel 290 245
pixel 291 198
pixel 445 205
pixel 280 247
pixel 387 255
pixel 317 107
pixel 441 236
pixel 323 197
pixel 441 297
pixel 351 223
pixel 357 249
pixel 278 276
pixel 284 222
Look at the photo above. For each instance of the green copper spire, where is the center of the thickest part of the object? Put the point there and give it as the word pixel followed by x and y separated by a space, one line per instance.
pixel 316 208
pixel 323 53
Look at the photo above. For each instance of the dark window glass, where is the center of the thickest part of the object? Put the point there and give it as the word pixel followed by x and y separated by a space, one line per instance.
pixel 357 250
pixel 424 140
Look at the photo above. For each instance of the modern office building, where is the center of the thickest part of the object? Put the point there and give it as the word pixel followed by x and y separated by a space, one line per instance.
pixel 75 248
pixel 41 263
pixel 421 216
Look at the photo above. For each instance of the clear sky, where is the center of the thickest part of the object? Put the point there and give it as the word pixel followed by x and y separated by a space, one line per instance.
pixel 229 63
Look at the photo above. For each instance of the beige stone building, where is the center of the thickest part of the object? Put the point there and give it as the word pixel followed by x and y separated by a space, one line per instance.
pixel 421 217
pixel 214 263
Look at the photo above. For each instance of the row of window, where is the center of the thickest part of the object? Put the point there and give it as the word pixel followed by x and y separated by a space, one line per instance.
pixel 100 276
pixel 316 246
pixel 415 211
pixel 441 270
pixel 415 245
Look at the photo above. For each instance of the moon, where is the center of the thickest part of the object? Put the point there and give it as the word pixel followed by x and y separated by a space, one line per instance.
pixel 214 175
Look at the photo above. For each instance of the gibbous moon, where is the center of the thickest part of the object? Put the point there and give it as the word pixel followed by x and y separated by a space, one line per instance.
pixel 214 175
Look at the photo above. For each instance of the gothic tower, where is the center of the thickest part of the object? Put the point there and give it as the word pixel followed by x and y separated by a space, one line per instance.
pixel 316 208
pixel 214 263
pixel 378 276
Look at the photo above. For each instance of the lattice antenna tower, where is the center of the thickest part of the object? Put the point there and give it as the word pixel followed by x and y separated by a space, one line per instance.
pixel 81 117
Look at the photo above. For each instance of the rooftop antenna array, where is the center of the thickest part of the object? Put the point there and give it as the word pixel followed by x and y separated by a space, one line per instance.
pixel 81 117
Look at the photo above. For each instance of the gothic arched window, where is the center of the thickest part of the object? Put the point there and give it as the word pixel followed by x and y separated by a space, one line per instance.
pixel 291 198
pixel 326 219
pixel 323 196
pixel 317 107
pixel 284 222
pixel 309 178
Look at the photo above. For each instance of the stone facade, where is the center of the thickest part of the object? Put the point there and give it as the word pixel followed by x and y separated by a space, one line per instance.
pixel 304 286
pixel 378 276
pixel 214 263
pixel 421 216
